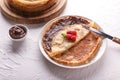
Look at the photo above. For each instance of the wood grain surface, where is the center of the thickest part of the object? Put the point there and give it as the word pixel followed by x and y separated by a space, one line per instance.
pixel 46 15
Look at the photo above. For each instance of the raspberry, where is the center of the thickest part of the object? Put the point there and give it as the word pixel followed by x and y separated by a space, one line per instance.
pixel 73 32
pixel 73 38
pixel 69 32
pixel 68 36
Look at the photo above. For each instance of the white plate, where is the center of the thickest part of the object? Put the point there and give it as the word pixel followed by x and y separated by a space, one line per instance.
pixel 95 59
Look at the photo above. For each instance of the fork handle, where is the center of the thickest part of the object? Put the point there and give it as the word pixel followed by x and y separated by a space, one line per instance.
pixel 117 40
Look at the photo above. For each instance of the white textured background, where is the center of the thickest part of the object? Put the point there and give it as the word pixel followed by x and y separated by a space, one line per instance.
pixel 24 61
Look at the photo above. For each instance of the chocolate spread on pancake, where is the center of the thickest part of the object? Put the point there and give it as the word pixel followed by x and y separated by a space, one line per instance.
pixel 59 25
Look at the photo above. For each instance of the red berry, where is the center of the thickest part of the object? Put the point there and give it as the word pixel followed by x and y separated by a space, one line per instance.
pixel 69 32
pixel 73 32
pixel 68 36
pixel 73 38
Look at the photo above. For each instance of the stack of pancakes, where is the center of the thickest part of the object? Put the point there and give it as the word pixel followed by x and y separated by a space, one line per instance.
pixel 66 52
pixel 30 8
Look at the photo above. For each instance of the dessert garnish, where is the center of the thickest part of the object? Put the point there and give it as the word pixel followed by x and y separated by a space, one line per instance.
pixel 70 35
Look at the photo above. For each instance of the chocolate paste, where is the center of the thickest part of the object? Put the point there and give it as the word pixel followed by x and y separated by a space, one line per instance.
pixel 59 25
pixel 17 32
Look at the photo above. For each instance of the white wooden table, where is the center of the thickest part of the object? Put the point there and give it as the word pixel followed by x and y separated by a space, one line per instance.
pixel 24 61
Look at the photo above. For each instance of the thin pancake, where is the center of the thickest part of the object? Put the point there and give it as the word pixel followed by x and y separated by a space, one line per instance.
pixel 79 53
pixel 82 52
pixel 28 8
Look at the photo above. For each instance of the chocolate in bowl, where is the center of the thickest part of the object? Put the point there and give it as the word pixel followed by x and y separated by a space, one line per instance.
pixel 17 32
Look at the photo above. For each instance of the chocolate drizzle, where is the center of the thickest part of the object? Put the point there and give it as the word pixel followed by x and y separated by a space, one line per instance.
pixel 59 25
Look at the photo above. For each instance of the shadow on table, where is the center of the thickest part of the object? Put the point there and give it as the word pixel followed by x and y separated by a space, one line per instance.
pixel 17 45
pixel 75 74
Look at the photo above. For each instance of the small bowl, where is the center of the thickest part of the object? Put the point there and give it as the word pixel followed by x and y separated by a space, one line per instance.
pixel 22 38
pixel 99 54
